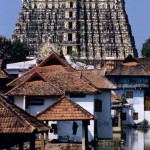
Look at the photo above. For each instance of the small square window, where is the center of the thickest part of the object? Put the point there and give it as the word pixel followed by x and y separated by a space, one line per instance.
pixel 135 116
pixel 129 94
pixel 123 116
pixel 98 105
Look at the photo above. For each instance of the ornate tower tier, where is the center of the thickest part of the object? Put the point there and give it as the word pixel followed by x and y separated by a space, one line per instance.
pixel 92 29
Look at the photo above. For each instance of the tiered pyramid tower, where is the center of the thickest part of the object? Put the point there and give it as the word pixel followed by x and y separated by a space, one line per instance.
pixel 92 29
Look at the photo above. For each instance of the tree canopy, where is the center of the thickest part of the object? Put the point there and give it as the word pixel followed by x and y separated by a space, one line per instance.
pixel 146 48
pixel 13 51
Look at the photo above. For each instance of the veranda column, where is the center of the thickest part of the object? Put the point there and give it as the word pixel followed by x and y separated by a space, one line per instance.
pixel 21 142
pixel 84 135
pixel 42 141
pixel 32 141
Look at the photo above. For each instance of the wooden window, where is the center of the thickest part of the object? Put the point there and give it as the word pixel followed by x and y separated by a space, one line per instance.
pixel 123 116
pixel 35 101
pixel 147 104
pixel 135 116
pixel 77 95
pixel 98 105
pixel 129 94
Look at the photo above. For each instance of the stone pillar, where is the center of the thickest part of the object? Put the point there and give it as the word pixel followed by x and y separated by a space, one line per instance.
pixel 32 141
pixel 42 141
pixel 84 135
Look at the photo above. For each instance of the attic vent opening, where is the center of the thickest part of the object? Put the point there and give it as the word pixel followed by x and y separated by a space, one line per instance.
pixel 52 61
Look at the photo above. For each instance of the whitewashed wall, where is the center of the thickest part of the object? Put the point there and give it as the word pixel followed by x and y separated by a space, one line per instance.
pixel 35 109
pixel 147 115
pixel 88 104
pixel 19 101
pixel 104 121
pixel 138 104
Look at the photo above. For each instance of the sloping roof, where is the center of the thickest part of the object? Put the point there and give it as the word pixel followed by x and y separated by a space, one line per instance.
pixel 52 63
pixel 3 74
pixel 97 79
pixel 54 59
pixel 55 83
pixel 70 82
pixel 65 109
pixel 145 62
pixel 15 120
pixel 129 67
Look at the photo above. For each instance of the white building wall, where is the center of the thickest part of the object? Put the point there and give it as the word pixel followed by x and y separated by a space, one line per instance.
pixel 147 115
pixel 104 121
pixel 36 109
pixel 88 104
pixel 137 103
pixel 19 101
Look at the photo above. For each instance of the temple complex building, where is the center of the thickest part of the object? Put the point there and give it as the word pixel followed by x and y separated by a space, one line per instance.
pixel 85 29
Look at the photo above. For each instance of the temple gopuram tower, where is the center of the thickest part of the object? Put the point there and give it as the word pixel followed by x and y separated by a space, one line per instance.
pixel 87 29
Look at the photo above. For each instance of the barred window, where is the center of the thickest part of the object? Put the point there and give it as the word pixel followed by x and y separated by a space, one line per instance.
pixel 98 105
pixel 135 116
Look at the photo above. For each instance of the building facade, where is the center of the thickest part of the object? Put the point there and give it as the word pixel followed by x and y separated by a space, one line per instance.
pixel 84 29
pixel 43 85
pixel 132 79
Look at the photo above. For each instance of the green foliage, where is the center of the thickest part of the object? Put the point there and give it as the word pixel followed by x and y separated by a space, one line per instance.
pixel 146 48
pixel 123 99
pixel 14 51
pixel 5 46
pixel 19 51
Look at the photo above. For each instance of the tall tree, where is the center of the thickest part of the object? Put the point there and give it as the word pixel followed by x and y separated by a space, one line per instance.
pixel 19 51
pixel 5 46
pixel 13 51
pixel 146 48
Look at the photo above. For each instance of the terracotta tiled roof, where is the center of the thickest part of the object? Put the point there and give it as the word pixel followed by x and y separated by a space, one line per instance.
pixel 129 70
pixel 35 88
pixel 70 82
pixel 57 83
pixel 15 120
pixel 98 80
pixel 45 69
pixel 3 74
pixel 145 62
pixel 65 109
pixel 130 67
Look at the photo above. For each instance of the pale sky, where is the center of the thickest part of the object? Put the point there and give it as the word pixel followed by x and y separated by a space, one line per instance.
pixel 138 13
